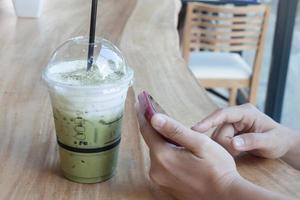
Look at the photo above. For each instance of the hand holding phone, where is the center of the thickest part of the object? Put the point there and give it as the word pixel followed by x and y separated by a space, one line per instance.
pixel 149 107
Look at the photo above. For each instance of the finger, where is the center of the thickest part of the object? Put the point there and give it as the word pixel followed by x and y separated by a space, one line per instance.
pixel 224 135
pixel 216 132
pixel 178 133
pixel 227 115
pixel 250 141
pixel 153 140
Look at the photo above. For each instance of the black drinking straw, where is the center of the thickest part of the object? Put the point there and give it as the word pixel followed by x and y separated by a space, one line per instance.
pixel 90 59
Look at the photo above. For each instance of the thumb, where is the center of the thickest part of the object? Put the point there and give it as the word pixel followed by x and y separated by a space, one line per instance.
pixel 177 132
pixel 249 141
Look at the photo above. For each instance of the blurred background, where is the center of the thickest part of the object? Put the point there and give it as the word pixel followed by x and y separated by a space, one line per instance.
pixel 229 71
pixel 281 53
pixel 291 103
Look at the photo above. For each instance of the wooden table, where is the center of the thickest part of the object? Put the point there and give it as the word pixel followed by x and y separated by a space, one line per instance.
pixel 145 30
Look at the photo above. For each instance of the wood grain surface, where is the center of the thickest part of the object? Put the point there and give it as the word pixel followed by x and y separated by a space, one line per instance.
pixel 145 30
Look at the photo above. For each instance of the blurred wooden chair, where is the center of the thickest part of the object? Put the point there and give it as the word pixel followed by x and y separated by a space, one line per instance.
pixel 214 37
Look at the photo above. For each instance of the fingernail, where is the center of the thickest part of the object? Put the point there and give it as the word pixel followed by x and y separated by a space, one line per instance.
pixel 238 141
pixel 158 121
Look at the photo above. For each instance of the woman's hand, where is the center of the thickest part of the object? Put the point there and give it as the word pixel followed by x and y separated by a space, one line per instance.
pixel 245 128
pixel 200 169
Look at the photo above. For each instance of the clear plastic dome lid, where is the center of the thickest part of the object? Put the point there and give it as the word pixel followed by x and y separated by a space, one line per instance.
pixel 68 65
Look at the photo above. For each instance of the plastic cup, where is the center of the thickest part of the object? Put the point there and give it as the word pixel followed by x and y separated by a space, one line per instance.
pixel 88 115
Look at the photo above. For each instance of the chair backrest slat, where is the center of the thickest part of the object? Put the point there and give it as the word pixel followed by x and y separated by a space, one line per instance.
pixel 227 26
pixel 225 33
pixel 223 28
pixel 235 48
pixel 250 19
pixel 227 8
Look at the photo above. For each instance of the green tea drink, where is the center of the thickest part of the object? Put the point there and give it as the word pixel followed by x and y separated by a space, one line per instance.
pixel 88 111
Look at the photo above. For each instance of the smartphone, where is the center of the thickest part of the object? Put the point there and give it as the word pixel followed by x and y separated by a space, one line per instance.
pixel 149 107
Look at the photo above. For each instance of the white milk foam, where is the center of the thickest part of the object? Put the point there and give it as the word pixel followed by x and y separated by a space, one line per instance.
pixel 90 102
pixel 74 73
